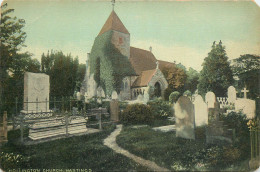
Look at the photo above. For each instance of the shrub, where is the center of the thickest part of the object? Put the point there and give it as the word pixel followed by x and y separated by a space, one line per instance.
pixel 160 109
pixel 167 93
pixel 231 154
pixel 12 161
pixel 214 156
pixel 238 122
pixel 136 114
pixel 174 97
pixel 187 93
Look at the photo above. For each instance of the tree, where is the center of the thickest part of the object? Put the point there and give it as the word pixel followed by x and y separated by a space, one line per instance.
pixel 15 81
pixel 12 38
pixel 247 69
pixel 66 75
pixel 216 75
pixel 175 77
pixel 192 80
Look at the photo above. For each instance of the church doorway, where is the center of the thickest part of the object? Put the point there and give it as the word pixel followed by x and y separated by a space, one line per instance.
pixel 157 89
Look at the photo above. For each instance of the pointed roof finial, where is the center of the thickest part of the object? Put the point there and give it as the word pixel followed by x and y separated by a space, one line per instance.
pixel 113 4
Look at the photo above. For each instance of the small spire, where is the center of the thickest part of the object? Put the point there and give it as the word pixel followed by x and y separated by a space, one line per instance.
pixel 157 64
pixel 113 4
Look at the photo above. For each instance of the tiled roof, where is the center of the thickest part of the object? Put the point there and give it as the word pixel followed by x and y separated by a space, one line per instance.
pixel 142 60
pixel 165 64
pixel 144 78
pixel 144 64
pixel 113 23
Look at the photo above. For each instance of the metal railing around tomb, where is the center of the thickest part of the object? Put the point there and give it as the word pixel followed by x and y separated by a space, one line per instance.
pixel 62 109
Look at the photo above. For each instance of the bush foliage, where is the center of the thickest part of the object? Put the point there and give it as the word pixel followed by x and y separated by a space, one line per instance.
pixel 136 114
pixel 174 97
pixel 160 109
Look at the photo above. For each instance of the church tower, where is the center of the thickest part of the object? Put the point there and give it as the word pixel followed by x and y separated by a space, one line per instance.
pixel 120 35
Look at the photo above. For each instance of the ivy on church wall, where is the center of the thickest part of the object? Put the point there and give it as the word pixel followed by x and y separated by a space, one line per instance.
pixel 112 64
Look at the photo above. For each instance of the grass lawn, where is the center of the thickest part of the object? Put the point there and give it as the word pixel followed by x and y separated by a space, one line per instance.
pixel 81 152
pixel 179 154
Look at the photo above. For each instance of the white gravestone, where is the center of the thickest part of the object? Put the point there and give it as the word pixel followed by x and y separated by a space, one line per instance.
pixel 114 95
pixel 185 118
pixel 232 94
pixel 78 96
pixel 36 88
pixel 210 99
pixel 201 111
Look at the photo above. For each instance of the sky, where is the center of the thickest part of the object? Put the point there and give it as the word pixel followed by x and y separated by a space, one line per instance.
pixel 178 30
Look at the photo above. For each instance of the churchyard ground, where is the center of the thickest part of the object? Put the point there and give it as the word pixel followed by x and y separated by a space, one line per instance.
pixel 82 152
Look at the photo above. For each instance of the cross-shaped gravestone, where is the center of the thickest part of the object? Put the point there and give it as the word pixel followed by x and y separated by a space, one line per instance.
pixel 245 91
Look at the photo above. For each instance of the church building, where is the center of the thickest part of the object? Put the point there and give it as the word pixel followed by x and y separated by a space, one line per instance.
pixel 113 65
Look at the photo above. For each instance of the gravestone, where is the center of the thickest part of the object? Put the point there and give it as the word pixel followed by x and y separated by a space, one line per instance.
pixel 114 95
pixel 232 94
pixel 100 92
pixel 214 112
pixel 215 130
pixel 185 118
pixel 247 106
pixel 36 88
pixel 114 110
pixel 201 111
pixel 210 99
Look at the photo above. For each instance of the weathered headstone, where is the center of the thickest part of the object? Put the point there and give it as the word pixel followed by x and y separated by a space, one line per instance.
pixel 210 99
pixel 232 94
pixel 100 92
pixel 185 118
pixel 36 89
pixel 214 112
pixel 247 106
pixel 201 111
pixel 114 95
pixel 114 110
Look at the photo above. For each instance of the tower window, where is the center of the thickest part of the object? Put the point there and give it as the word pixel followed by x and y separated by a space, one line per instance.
pixel 120 40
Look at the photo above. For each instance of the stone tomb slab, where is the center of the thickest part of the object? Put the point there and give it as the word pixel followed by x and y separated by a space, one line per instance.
pixel 185 118
pixel 56 127
pixel 247 106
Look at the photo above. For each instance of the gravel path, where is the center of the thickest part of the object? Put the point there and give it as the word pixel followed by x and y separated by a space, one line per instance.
pixel 110 142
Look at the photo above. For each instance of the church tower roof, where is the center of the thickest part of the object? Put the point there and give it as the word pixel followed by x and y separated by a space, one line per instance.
pixel 113 23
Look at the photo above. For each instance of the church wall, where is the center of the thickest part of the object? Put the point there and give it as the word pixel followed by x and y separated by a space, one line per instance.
pixel 137 91
pixel 125 89
pixel 121 42
pixel 159 77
